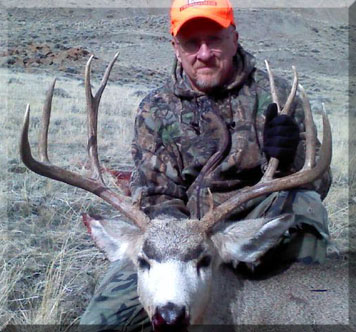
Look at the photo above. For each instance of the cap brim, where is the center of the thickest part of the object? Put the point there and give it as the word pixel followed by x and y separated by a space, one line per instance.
pixel 225 23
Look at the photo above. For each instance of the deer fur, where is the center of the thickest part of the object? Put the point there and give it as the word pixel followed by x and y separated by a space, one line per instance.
pixel 173 249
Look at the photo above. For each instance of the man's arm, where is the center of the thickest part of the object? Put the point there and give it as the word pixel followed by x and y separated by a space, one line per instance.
pixel 321 185
pixel 156 181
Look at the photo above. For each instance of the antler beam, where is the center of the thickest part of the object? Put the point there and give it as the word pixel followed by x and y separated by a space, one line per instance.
pixel 266 185
pixel 95 183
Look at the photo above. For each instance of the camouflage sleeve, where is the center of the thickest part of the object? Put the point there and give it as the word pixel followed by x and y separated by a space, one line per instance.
pixel 321 185
pixel 155 181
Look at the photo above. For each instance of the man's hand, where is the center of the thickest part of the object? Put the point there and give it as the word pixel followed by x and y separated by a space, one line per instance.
pixel 280 136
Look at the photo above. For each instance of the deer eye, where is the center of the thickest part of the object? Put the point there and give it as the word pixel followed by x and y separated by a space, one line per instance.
pixel 204 262
pixel 143 264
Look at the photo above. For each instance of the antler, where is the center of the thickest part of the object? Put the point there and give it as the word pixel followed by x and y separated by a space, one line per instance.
pixel 95 183
pixel 267 184
pixel 273 162
pixel 213 161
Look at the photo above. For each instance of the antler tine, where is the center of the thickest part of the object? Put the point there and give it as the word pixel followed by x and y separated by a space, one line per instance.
pixel 94 186
pixel 273 86
pixel 46 115
pixel 273 162
pixel 290 99
pixel 47 169
pixel 307 174
pixel 106 76
pixel 310 131
pixel 25 148
pixel 103 81
pixel 92 114
pixel 92 123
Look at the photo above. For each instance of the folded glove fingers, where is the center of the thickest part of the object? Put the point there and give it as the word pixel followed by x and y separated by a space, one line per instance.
pixel 281 131
pixel 283 142
pixel 283 120
pixel 280 136
pixel 271 112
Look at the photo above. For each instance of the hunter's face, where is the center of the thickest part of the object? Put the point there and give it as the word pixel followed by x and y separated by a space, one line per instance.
pixel 206 52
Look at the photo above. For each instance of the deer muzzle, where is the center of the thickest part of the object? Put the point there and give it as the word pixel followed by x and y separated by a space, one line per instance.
pixel 170 317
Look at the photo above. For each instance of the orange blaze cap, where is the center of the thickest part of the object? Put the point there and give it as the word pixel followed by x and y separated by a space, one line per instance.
pixel 219 11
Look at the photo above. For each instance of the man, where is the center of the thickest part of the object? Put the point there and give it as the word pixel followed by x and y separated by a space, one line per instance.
pixel 174 140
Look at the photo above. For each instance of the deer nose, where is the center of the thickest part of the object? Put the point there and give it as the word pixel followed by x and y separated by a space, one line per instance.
pixel 170 317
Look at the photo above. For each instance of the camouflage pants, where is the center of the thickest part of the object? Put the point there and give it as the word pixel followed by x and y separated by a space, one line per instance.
pixel 115 305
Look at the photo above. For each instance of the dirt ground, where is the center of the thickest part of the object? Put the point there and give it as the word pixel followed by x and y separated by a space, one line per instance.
pixel 53 40
pixel 44 43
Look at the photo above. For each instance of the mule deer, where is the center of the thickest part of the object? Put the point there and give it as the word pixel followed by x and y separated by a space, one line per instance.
pixel 177 260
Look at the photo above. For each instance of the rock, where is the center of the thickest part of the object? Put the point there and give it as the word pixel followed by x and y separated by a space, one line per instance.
pixel 11 60
pixel 17 169
pixel 71 70
pixel 61 93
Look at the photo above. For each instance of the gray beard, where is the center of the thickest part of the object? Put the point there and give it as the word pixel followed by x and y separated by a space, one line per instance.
pixel 205 85
pixel 210 85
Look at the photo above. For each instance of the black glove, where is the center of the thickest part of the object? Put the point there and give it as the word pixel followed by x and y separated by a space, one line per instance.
pixel 280 136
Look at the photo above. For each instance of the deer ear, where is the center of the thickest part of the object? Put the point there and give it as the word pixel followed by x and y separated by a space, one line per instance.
pixel 116 238
pixel 247 240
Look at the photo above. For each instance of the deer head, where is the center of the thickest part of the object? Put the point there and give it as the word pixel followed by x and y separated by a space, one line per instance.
pixel 176 259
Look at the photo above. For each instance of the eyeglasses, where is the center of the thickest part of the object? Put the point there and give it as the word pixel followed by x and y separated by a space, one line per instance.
pixel 193 45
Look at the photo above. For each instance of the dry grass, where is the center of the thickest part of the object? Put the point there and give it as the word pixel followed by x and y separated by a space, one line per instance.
pixel 49 265
pixel 337 199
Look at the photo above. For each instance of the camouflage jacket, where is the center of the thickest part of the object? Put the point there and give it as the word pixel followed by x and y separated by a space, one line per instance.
pixel 178 129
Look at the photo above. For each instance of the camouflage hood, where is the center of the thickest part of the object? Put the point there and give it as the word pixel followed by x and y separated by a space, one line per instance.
pixel 244 62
